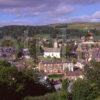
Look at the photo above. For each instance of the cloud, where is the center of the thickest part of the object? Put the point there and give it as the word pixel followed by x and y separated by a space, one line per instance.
pixel 92 17
pixel 24 3
pixel 48 3
pixel 16 22
pixel 95 17
pixel 36 7
pixel 46 11
pixel 62 10
pixel 23 11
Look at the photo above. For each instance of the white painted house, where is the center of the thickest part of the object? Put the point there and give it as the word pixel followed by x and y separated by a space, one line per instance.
pixel 69 66
pixel 26 53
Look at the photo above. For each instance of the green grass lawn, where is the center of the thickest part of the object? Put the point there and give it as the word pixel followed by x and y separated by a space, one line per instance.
pixel 97 98
pixel 61 95
pixel 55 76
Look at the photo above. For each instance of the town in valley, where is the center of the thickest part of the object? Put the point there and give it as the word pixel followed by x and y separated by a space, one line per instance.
pixel 55 56
pixel 49 49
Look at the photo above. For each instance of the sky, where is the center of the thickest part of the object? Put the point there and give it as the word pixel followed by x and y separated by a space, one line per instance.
pixel 42 12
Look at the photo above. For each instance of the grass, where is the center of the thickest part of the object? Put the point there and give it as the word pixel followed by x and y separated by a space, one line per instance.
pixel 83 25
pixel 61 95
pixel 97 98
pixel 55 76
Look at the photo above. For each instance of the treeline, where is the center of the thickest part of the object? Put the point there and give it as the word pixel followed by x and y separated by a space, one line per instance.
pixel 16 31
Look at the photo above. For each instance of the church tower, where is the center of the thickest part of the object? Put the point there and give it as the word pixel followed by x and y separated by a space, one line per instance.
pixel 55 44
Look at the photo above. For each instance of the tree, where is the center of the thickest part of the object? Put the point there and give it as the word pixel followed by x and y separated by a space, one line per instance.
pixel 69 48
pixel 19 54
pixel 4 63
pixel 8 43
pixel 89 88
pixel 65 84
pixel 81 90
pixel 7 80
pixel 32 49
pixel 92 74
pixel 15 85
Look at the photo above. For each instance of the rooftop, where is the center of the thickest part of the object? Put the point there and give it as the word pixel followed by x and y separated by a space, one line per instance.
pixel 51 49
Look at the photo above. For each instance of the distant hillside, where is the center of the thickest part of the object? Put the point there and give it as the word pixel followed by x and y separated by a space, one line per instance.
pixel 84 26
pixel 74 25
pixel 77 25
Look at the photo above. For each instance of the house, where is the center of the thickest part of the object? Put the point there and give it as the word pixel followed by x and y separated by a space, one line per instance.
pixel 79 65
pixel 71 66
pixel 26 53
pixel 88 39
pixel 74 75
pixel 68 66
pixel 7 53
pixel 51 67
pixel 96 54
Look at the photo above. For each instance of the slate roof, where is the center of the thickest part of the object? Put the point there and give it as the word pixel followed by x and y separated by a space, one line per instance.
pixel 74 73
pixel 96 53
pixel 52 49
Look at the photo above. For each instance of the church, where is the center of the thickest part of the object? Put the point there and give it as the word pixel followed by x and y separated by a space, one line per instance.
pixel 52 52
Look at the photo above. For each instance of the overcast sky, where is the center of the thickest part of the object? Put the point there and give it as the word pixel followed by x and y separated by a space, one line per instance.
pixel 40 12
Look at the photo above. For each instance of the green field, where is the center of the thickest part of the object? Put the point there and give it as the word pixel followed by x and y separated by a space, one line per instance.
pixel 55 76
pixel 98 98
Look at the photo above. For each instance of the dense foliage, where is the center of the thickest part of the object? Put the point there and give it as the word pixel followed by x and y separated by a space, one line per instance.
pixel 92 73
pixel 60 95
pixel 89 88
pixel 16 31
pixel 15 85
pixel 81 90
